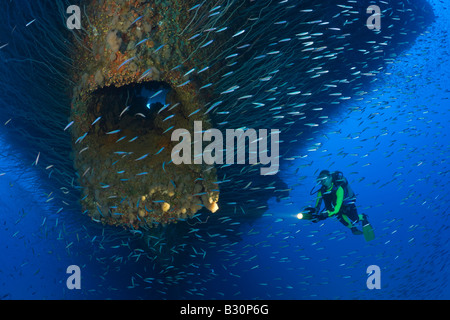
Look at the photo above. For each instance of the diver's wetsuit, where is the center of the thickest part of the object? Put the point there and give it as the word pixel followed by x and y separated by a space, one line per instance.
pixel 344 209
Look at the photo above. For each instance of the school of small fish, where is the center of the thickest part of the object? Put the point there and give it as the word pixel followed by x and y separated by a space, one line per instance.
pixel 230 64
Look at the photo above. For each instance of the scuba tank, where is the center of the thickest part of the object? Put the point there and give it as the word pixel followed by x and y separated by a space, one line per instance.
pixel 339 181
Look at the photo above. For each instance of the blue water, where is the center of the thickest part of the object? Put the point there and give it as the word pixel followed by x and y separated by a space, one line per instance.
pixel 392 145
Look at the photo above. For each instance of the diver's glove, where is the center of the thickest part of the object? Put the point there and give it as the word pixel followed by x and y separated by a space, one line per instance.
pixel 320 216
pixel 323 215
pixel 329 213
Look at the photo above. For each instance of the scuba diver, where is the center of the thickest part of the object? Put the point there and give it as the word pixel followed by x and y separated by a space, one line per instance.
pixel 339 201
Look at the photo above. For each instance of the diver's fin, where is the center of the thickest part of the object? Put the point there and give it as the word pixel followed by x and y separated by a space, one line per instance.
pixel 356 231
pixel 368 232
